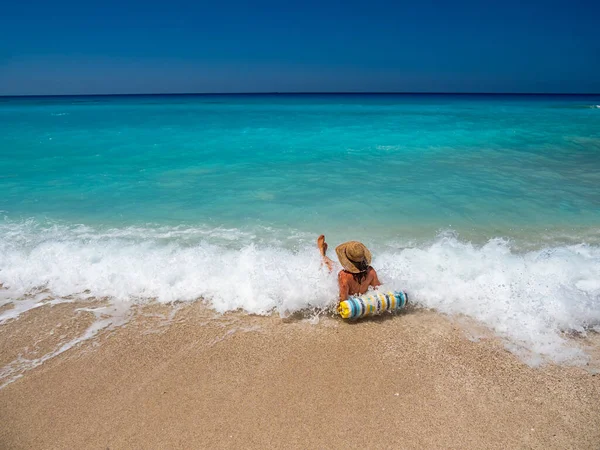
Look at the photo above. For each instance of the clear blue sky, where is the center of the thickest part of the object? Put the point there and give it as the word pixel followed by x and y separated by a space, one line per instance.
pixel 79 47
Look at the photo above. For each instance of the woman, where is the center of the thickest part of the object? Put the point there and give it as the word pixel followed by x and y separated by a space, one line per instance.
pixel 357 274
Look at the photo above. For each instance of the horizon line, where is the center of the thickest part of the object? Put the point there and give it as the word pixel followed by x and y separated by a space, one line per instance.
pixel 297 93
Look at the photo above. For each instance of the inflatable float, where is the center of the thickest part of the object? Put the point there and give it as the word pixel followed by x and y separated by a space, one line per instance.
pixel 372 303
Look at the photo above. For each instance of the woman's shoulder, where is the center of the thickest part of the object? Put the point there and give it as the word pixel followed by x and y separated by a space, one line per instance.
pixel 345 274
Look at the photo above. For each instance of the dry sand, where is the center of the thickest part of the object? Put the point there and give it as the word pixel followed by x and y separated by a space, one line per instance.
pixel 235 381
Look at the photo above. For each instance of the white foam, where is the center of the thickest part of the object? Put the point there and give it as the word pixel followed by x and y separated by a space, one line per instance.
pixel 528 298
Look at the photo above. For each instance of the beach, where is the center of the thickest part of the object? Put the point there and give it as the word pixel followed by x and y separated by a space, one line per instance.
pixel 203 380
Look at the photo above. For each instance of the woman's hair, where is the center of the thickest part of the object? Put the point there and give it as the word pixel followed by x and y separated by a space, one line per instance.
pixel 359 277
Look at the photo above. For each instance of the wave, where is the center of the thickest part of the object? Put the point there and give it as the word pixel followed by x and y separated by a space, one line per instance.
pixel 529 298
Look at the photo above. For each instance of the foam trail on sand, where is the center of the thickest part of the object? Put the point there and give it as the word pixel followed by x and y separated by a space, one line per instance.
pixel 528 298
pixel 108 317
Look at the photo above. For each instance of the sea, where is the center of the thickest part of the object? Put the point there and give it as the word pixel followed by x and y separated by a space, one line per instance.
pixel 478 206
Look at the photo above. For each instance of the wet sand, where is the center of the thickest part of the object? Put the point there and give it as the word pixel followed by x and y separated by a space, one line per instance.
pixel 236 381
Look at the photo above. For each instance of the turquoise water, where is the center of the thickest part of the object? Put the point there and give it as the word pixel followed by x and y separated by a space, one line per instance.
pixel 383 165
pixel 480 205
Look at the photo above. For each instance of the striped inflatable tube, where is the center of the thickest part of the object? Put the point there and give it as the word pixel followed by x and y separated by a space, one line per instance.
pixel 372 304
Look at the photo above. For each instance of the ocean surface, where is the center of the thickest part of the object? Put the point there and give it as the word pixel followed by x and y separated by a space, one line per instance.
pixel 480 205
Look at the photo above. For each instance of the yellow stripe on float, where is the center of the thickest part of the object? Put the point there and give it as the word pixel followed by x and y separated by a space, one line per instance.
pixel 382 300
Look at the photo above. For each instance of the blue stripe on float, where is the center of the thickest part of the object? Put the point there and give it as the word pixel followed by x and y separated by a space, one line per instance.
pixel 362 307
pixel 353 307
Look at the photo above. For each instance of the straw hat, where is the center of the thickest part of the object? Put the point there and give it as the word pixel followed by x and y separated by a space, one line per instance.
pixel 353 255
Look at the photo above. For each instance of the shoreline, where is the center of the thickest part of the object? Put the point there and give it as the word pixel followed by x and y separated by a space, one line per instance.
pixel 204 380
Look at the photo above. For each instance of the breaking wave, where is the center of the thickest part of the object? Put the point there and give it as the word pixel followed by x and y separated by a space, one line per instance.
pixel 529 298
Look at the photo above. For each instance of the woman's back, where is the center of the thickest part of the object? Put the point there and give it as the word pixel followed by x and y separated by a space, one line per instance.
pixel 356 283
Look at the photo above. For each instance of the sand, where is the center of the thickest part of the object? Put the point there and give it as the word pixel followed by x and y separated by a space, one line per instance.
pixel 416 380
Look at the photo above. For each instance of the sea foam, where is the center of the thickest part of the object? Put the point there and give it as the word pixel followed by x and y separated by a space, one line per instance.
pixel 530 299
